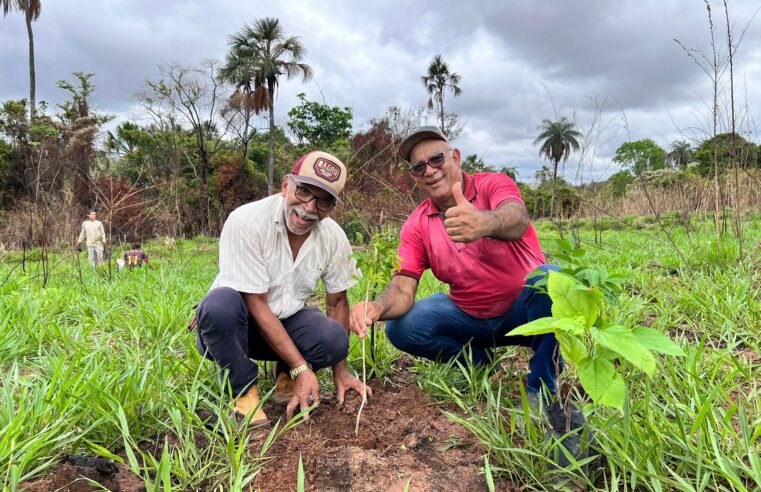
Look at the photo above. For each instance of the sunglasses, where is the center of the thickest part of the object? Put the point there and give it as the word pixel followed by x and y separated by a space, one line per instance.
pixel 435 161
pixel 324 204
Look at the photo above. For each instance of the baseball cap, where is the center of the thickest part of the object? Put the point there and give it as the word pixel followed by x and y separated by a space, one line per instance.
pixel 414 138
pixel 322 170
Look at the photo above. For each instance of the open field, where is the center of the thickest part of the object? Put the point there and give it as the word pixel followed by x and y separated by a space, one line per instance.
pixel 103 365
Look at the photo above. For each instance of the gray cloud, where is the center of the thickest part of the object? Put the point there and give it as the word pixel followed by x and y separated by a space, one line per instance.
pixel 519 61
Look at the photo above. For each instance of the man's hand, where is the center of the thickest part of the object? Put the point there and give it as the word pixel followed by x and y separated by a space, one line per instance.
pixel 363 315
pixel 345 381
pixel 464 222
pixel 306 392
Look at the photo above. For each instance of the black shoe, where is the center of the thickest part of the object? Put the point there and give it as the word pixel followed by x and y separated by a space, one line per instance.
pixel 562 422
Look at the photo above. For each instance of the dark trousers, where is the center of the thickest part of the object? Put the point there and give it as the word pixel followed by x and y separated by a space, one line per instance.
pixel 435 328
pixel 228 335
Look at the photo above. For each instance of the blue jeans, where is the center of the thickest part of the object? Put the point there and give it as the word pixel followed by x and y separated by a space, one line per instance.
pixel 435 328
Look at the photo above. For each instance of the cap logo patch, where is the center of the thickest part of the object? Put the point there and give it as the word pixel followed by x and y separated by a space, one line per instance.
pixel 327 170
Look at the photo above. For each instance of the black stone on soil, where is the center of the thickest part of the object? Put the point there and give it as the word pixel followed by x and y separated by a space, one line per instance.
pixel 103 465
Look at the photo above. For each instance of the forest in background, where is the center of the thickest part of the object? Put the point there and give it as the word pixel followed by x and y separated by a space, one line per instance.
pixel 204 140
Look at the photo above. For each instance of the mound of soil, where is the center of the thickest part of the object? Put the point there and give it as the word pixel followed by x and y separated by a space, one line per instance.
pixel 403 442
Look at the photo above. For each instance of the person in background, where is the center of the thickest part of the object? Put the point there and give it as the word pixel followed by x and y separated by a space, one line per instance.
pixel 135 257
pixel 94 236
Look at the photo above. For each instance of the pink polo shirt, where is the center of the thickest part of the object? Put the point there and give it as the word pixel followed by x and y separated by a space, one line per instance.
pixel 484 277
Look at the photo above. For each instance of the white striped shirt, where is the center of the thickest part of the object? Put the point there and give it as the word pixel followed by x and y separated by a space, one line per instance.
pixel 255 257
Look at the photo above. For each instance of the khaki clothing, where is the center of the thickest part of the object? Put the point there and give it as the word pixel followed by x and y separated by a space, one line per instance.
pixel 95 254
pixel 255 257
pixel 93 233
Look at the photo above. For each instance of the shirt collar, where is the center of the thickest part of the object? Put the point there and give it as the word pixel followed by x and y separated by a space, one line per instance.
pixel 469 190
pixel 280 216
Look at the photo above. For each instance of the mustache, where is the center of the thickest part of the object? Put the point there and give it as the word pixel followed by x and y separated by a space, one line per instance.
pixel 302 213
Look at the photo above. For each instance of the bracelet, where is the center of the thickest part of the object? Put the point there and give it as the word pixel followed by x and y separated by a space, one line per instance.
pixel 294 373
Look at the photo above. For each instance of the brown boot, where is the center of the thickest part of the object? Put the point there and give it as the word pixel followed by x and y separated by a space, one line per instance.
pixel 283 386
pixel 250 403
pixel 283 389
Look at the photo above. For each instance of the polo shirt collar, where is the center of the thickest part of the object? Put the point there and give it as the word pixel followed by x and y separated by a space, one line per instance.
pixel 469 190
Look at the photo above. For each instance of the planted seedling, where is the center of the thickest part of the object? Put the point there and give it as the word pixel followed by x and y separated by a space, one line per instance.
pixel 376 265
pixel 596 346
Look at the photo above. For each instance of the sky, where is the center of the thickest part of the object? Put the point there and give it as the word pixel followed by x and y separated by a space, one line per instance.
pixel 613 67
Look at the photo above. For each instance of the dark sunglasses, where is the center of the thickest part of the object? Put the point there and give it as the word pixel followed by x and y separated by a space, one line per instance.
pixel 435 161
pixel 324 204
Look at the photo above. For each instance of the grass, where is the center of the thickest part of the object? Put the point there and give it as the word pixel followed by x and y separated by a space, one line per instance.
pixel 103 364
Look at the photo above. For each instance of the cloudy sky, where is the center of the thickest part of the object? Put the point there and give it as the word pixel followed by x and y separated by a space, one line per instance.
pixel 613 66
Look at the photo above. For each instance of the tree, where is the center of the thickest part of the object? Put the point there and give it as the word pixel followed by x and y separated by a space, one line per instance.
pixel 31 10
pixel 558 139
pixel 640 156
pixel 436 82
pixel 473 164
pixel 267 53
pixel 192 95
pixel 680 153
pixel 319 124
pixel 241 105
pixel 81 127
pixel 727 152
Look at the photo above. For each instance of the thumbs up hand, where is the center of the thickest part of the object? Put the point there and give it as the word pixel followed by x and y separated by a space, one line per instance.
pixel 464 222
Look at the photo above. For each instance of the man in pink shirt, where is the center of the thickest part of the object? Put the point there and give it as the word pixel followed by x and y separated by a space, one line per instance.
pixel 474 233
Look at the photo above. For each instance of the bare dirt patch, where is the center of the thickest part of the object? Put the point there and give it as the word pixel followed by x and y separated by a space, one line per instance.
pixel 403 441
pixel 72 478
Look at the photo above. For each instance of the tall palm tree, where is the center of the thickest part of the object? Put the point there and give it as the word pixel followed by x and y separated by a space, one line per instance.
pixel 259 55
pixel 436 82
pixel 31 10
pixel 680 153
pixel 558 140
pixel 242 73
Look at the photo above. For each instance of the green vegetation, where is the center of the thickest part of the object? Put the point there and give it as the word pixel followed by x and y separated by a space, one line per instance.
pixel 107 367
pixel 594 345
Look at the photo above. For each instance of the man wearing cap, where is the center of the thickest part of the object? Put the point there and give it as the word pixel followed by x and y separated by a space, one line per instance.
pixel 474 233
pixel 272 252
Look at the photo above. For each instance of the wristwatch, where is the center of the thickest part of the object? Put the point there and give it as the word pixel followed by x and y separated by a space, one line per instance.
pixel 299 369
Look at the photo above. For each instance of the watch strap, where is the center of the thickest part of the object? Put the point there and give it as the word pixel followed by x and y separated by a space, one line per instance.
pixel 299 369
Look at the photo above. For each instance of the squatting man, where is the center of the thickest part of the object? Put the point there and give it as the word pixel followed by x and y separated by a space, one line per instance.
pixel 272 252
pixel 474 233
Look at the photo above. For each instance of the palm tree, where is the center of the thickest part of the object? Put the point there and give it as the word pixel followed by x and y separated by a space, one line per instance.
pixel 259 55
pixel 239 71
pixel 680 153
pixel 31 10
pixel 558 140
pixel 436 82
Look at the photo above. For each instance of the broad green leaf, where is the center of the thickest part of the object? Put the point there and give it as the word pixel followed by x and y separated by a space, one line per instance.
pixel 572 348
pixel 567 302
pixel 656 341
pixel 564 245
pixel 536 327
pixel 606 354
pixel 578 253
pixel 615 396
pixel 574 326
pixel 599 379
pixel 621 340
